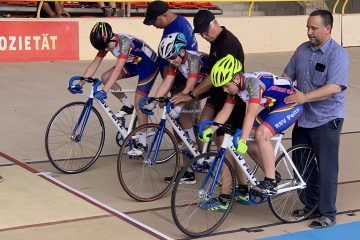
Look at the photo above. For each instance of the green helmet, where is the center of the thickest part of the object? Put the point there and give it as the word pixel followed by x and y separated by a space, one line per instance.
pixel 224 70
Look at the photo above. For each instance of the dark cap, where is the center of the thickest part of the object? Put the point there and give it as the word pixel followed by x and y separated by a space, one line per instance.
pixel 202 20
pixel 155 9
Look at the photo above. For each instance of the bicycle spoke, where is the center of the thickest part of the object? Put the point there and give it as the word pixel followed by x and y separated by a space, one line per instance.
pixel 64 150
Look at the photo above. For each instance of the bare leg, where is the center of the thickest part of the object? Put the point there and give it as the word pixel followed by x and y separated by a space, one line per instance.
pixel 142 118
pixel 128 9
pixel 266 150
pixel 225 173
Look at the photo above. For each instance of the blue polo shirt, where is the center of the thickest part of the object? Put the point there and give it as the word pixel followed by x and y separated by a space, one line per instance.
pixel 180 24
pixel 313 68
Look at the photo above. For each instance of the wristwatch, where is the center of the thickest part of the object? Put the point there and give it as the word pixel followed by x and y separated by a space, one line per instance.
pixel 191 95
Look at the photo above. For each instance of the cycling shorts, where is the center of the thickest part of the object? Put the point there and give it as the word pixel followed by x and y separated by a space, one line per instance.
pixel 279 117
pixel 147 72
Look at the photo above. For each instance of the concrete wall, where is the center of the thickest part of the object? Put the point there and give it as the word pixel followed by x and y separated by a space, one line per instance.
pixel 351 30
pixel 257 34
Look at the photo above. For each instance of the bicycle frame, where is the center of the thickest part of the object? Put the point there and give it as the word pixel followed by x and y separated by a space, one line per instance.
pixel 184 136
pixel 228 143
pixel 84 116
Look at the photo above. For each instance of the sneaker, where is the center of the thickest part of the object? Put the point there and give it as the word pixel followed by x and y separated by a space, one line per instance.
pixel 125 110
pixel 266 187
pixel 242 198
pixel 188 178
pixel 299 213
pixel 137 150
pixel 214 204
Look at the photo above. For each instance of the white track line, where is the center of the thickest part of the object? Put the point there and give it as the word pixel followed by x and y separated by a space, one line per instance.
pixel 93 200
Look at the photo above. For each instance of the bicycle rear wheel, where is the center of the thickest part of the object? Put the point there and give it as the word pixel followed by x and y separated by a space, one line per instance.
pixel 286 206
pixel 63 149
pixel 142 177
pixel 188 201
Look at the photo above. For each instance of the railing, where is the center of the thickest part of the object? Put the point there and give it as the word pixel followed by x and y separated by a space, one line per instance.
pixel 252 2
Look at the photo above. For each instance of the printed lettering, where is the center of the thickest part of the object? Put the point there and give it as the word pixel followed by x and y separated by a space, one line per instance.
pixel 20 43
pixel 45 43
pixel 12 43
pixel 186 136
pixel 27 43
pixel 3 43
pixel 37 39
pixel 53 40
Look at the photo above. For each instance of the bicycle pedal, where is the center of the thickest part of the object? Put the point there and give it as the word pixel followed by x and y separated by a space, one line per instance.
pixel 257 198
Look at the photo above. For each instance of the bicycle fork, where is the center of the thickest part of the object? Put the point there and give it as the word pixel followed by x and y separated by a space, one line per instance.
pixel 220 157
pixel 156 140
pixel 84 117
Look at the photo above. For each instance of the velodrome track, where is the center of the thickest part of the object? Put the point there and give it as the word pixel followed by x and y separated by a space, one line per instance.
pixel 38 202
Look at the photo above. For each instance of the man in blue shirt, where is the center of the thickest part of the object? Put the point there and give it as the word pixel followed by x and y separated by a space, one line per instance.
pixel 160 16
pixel 321 67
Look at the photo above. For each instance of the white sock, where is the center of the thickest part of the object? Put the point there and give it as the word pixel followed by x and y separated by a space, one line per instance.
pixel 142 138
pixel 191 133
pixel 126 102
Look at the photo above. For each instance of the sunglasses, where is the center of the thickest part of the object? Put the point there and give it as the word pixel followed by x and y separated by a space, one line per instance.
pixel 173 57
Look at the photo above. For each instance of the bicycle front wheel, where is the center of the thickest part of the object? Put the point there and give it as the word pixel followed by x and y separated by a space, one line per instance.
pixel 65 150
pixel 298 204
pixel 142 172
pixel 188 202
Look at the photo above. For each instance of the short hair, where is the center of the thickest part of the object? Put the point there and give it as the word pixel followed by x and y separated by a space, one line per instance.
pixel 326 16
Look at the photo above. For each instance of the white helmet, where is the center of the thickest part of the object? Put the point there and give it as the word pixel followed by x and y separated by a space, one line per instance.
pixel 171 44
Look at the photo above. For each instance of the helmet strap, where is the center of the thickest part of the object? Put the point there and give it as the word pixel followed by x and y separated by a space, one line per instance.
pixel 235 83
pixel 183 58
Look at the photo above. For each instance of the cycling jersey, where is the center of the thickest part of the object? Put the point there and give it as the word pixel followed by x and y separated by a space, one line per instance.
pixel 132 49
pixel 193 66
pixel 265 88
pixel 269 91
pixel 141 61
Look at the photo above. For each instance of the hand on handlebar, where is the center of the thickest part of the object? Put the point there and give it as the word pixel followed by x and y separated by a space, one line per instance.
pixel 101 95
pixel 150 106
pixel 206 136
pixel 77 89
pixel 242 147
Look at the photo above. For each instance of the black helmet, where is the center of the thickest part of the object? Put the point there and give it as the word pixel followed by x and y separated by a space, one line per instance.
pixel 101 35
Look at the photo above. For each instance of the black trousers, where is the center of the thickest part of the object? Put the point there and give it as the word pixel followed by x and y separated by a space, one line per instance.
pixel 322 184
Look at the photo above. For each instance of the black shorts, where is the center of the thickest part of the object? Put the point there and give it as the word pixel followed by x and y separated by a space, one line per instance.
pixel 217 100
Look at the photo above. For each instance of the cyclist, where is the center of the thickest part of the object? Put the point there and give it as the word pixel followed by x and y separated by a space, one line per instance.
pixel 191 65
pixel 134 58
pixel 257 88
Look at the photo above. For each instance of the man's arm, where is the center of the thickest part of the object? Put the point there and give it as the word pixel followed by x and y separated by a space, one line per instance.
pixel 319 94
pixel 204 86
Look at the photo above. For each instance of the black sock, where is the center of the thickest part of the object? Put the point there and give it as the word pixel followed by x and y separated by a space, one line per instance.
pixel 270 180
pixel 243 189
pixel 223 198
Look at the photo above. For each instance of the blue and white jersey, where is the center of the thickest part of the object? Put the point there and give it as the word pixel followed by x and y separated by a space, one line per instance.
pixel 265 88
pixel 132 49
